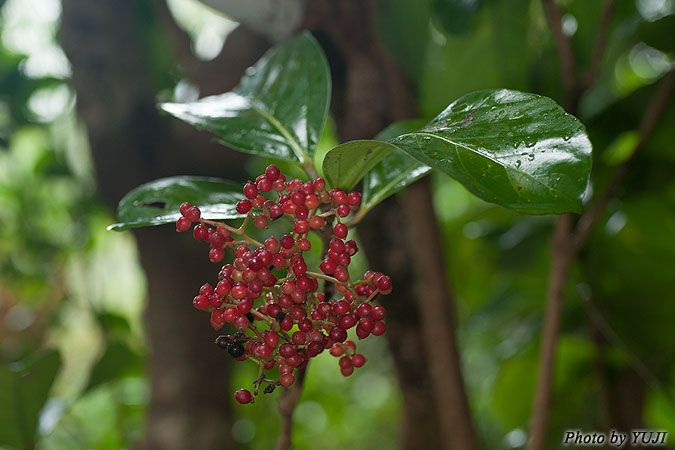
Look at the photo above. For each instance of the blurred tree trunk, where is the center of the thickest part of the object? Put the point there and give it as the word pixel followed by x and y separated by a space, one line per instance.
pixel 131 144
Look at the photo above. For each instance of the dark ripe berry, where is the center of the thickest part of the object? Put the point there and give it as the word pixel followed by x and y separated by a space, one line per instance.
pixel 183 224
pixel 286 379
pixel 272 172
pixel 346 322
pixel 243 206
pixel 361 333
pixel 341 273
pixel 301 227
pixel 339 197
pixel 379 329
pixel 264 185
pixel 271 244
pixel 319 184
pixel 338 334
pixel 327 266
pixel 201 232
pixel 286 350
pixel 337 245
pixel 250 317
pixel 286 324
pixel 358 360
pixel 216 254
pixel 384 284
pixel 250 190
pixel 316 222
pixel 343 210
pixel 241 322
pixel 305 325
pixel 260 222
pixel 235 349
pixel 354 199
pixel 243 396
pixel 280 316
pixel 271 338
pixel 378 312
pixel 298 197
pixel 222 342
pixel 340 230
pixel 201 302
pixel 287 241
pixel 304 245
pixel 345 362
pixel 276 211
pixel 184 207
pixel 298 338
pixel 193 213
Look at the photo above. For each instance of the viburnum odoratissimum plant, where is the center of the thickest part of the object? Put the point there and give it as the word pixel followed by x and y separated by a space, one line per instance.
pixel 516 149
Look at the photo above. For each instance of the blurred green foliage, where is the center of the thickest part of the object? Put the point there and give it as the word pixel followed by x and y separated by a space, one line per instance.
pixel 69 286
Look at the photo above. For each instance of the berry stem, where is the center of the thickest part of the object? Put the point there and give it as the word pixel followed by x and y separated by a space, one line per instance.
pixel 238 231
pixel 327 278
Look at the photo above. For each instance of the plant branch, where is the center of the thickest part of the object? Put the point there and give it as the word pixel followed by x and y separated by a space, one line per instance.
pixel 600 43
pixel 655 109
pixel 565 54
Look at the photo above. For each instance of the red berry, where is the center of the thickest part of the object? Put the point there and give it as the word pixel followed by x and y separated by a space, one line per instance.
pixel 184 207
pixel 343 210
pixel 250 190
pixel 243 396
pixel 336 350
pixel 241 322
pixel 327 266
pixel 341 273
pixel 345 362
pixel 319 184
pixel 201 232
pixel 298 338
pixel 301 227
pixel 272 338
pixel 243 206
pixel 354 199
pixel 339 197
pixel 276 211
pixel 183 224
pixel 378 312
pixel 340 230
pixel 272 172
pixel 287 241
pixel 337 245
pixel 193 213
pixel 223 287
pixel 286 379
pixel 201 302
pixel 358 360
pixel 384 284
pixel 316 222
pixel 286 350
pixel 264 185
pixel 304 245
pixel 338 334
pixel 379 329
pixel 260 222
pixel 216 254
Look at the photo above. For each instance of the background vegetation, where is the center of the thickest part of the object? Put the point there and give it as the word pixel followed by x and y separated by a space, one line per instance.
pixel 84 367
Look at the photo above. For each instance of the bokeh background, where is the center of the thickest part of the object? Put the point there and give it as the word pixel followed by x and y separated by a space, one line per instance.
pixel 100 346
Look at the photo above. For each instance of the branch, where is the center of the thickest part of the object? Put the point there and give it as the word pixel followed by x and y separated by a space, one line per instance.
pixel 565 54
pixel 655 109
pixel 600 43
pixel 286 404
pixel 560 261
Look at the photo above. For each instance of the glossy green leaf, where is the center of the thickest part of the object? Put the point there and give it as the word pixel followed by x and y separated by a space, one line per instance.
pixel 396 170
pixel 117 361
pixel 346 164
pixel 279 108
pixel 24 389
pixel 159 201
pixel 515 149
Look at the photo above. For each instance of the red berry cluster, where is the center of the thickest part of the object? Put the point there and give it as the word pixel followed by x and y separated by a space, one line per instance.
pixel 269 295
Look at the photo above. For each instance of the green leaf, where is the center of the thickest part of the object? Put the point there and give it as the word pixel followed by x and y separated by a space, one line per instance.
pixel 159 201
pixel 24 389
pixel 396 170
pixel 279 108
pixel 515 149
pixel 346 164
pixel 117 361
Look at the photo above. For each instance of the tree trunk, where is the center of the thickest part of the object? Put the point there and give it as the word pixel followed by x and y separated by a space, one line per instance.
pixel 132 144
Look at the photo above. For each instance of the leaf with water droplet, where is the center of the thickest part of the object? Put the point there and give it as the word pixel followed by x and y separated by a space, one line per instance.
pixel 557 143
